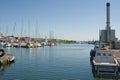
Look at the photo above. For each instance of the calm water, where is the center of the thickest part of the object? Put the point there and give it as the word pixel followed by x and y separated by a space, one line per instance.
pixel 61 62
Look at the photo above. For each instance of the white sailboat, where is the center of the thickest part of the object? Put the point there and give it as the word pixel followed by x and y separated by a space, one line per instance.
pixel 37 43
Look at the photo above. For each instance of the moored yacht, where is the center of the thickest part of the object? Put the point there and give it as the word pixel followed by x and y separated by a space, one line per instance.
pixel 29 45
pixel 8 44
pixel 37 44
pixel 23 44
pixel 15 44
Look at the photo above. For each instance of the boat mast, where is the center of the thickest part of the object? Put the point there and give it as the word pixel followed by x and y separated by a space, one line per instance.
pixel 51 37
pixel 7 33
pixel 13 32
pixel 6 30
pixel 29 27
pixel 20 40
pixel 0 27
pixel 37 30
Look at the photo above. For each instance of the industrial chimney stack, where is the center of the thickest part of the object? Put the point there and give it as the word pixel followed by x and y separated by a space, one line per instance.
pixel 108 29
pixel 107 35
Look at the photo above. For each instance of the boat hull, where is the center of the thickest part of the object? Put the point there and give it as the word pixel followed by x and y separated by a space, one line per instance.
pixel 104 61
pixel 105 68
pixel 92 53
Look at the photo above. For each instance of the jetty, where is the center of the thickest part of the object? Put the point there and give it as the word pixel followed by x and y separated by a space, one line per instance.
pixel 6 58
pixel 116 54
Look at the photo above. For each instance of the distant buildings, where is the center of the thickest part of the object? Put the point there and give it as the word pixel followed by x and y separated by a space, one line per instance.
pixel 12 39
pixel 1 35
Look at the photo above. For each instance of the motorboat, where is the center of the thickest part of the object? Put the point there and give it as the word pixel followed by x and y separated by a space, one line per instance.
pixel 3 43
pixel 37 44
pixel 23 44
pixel 8 44
pixel 51 44
pixel 104 61
pixel 15 44
pixel 29 45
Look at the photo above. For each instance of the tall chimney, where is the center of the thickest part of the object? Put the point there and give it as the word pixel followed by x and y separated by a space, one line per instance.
pixel 108 30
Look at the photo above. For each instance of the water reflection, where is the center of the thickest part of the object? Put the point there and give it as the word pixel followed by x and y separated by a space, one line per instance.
pixel 3 67
pixel 60 62
pixel 51 54
pixel 105 76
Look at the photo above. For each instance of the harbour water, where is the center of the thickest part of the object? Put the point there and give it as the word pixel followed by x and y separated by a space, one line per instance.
pixel 61 62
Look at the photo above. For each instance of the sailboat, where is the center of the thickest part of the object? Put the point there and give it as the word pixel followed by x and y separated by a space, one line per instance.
pixel 36 42
pixel 51 40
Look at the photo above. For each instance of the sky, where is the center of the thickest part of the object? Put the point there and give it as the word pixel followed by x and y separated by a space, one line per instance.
pixel 65 19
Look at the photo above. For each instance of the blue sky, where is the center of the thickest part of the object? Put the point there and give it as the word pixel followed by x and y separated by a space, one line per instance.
pixel 67 19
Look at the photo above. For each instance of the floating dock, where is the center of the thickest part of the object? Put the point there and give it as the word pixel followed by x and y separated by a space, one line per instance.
pixel 7 58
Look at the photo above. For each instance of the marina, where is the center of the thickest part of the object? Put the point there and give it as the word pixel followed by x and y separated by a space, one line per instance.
pixel 24 44
pixel 59 40
pixel 51 63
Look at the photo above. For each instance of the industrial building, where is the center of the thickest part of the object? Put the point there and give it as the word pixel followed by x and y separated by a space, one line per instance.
pixel 107 35
pixel 103 36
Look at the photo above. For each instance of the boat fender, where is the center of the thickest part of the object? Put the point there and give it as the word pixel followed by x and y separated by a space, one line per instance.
pixel 103 48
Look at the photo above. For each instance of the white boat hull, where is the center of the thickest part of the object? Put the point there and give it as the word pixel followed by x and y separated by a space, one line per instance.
pixel 105 62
